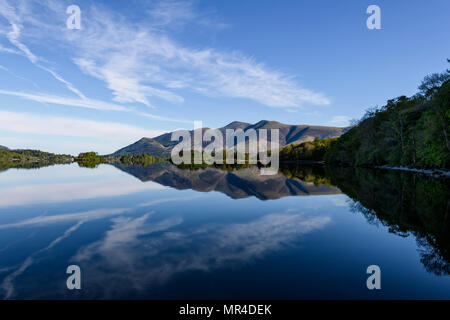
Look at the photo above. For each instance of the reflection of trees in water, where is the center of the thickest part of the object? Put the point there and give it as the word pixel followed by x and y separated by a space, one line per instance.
pixel 406 203
pixel 431 258
pixel 369 214
pixel 309 173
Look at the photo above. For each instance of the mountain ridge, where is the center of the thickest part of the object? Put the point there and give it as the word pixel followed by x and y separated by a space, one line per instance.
pixel 289 134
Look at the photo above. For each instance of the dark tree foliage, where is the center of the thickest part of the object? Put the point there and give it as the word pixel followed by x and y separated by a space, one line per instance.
pixel 431 83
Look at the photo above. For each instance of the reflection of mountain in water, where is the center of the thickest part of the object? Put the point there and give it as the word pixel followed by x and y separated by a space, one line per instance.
pixel 236 184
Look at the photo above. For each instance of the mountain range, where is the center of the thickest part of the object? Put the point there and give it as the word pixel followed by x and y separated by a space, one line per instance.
pixel 289 134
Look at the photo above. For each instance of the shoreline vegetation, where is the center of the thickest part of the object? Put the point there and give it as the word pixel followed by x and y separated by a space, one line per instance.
pixel 409 134
pixel 92 159
pixel 27 158
pixel 406 134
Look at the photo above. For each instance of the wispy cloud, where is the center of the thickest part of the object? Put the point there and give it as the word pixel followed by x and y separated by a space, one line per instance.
pixel 123 77
pixel 157 60
pixel 75 127
pixel 176 14
pixel 17 76
pixel 8 50
pixel 13 36
pixel 84 103
pixel 66 101
pixel 139 61
pixel 172 12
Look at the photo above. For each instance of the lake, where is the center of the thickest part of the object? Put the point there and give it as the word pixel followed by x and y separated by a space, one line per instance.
pixel 162 232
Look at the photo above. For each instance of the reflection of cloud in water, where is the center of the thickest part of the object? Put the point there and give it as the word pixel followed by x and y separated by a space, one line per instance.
pixel 116 235
pixel 68 217
pixel 62 192
pixel 136 254
pixel 8 283
pixel 87 215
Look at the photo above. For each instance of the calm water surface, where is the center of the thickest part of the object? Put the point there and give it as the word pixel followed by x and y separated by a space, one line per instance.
pixel 160 232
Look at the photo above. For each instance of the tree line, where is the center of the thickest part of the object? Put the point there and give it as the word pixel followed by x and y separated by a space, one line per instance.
pixel 30 158
pixel 408 131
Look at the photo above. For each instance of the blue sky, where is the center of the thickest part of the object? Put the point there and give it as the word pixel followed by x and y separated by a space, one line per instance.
pixel 140 68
